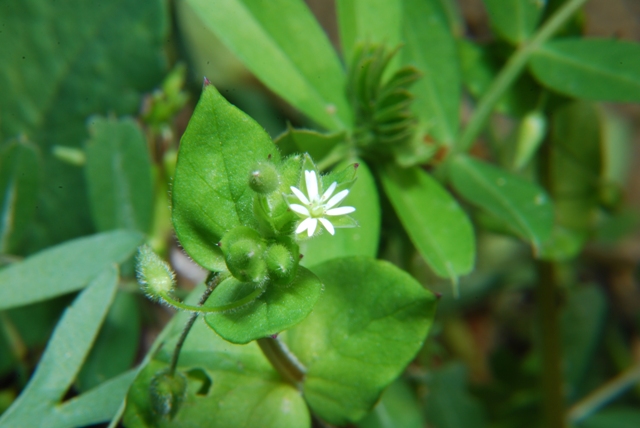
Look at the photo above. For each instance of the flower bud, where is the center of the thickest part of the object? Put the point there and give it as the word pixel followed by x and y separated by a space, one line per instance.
pixel 264 178
pixel 243 249
pixel 282 260
pixel 166 393
pixel 154 274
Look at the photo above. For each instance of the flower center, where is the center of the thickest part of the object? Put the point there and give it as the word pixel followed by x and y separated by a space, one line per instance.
pixel 316 209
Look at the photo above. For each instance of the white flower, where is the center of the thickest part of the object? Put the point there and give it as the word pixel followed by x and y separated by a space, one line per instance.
pixel 315 208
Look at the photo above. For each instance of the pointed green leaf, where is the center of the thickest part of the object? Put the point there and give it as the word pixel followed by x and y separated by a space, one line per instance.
pixel 591 69
pixel 430 46
pixel 524 206
pixel 359 241
pixel 19 183
pixel 437 226
pixel 369 324
pixel 64 354
pixel 211 193
pixel 65 268
pixel 278 308
pixel 369 21
pixel 118 173
pixel 63 64
pixel 305 71
pixel 228 385
pixel 514 20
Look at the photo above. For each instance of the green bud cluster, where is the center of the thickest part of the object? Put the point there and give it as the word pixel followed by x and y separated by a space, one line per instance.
pixel 154 274
pixel 252 258
pixel 166 392
pixel 264 178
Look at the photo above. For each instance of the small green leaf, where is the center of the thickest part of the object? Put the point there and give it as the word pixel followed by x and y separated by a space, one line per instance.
pixel 398 407
pixel 449 403
pixel 369 21
pixel 514 20
pixel 591 69
pixel 437 226
pixel 116 346
pixel 359 241
pixel 525 207
pixel 211 193
pixel 118 173
pixel 228 385
pixel 305 71
pixel 19 183
pixel 318 145
pixel 65 268
pixel 64 355
pixel 276 309
pixel 432 49
pixel 369 324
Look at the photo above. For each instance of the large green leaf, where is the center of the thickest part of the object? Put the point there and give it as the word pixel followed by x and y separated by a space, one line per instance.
pixel 514 20
pixel 522 205
pixel 116 346
pixel 592 69
pixel 19 182
pixel 63 357
pixel 369 21
pixel 358 241
pixel 228 385
pixel 430 46
pixel 118 172
pixel 211 193
pixel 305 71
pixel 369 324
pixel 437 226
pixel 65 268
pixel 278 308
pixel 62 62
pixel 449 404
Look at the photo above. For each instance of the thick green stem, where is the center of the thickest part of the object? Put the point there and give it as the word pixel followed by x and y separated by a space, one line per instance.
pixel 212 281
pixel 511 71
pixel 603 395
pixel 548 321
pixel 283 360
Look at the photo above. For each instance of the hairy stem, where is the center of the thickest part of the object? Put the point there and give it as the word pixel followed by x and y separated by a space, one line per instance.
pixel 511 71
pixel 212 281
pixel 283 360
pixel 213 309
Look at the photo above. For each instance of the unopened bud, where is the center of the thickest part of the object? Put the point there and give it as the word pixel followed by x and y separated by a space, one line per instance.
pixel 243 250
pixel 166 393
pixel 264 178
pixel 280 263
pixel 154 274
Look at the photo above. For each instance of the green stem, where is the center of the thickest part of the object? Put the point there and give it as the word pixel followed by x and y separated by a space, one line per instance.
pixel 603 395
pixel 283 360
pixel 212 309
pixel 548 319
pixel 511 71
pixel 212 282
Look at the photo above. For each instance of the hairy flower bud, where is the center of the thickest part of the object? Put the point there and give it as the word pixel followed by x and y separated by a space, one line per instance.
pixel 166 393
pixel 154 274
pixel 264 178
pixel 243 249
pixel 281 264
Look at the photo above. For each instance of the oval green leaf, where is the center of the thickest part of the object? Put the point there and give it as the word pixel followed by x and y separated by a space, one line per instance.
pixel 118 173
pixel 65 268
pixel 524 206
pixel 211 194
pixel 370 323
pixel 305 71
pixel 437 226
pixel 359 241
pixel 278 308
pixel 592 69
pixel 19 182
pixel 514 20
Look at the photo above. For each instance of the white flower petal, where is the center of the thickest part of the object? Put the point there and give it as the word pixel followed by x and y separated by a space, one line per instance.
pixel 300 195
pixel 312 226
pixel 299 209
pixel 312 184
pixel 329 191
pixel 336 199
pixel 327 225
pixel 305 224
pixel 340 211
